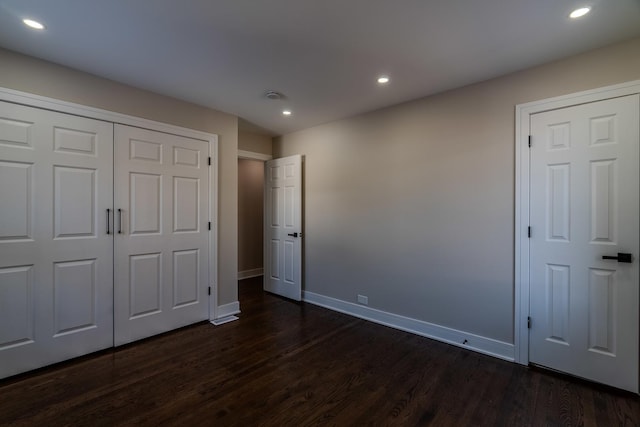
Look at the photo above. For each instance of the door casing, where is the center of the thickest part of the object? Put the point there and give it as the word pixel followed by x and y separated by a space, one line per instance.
pixel 522 220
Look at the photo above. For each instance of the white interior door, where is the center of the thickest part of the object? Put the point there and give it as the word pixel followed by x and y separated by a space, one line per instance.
pixel 161 241
pixel 584 206
pixel 56 255
pixel 283 227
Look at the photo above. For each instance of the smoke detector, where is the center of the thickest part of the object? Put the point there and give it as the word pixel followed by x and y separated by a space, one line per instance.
pixel 273 95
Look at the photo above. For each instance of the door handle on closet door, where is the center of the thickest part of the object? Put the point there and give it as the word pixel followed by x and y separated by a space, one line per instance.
pixel 119 221
pixel 108 220
pixel 620 258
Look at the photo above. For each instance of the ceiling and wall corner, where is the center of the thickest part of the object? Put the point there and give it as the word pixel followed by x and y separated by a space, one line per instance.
pixel 413 205
pixel 323 57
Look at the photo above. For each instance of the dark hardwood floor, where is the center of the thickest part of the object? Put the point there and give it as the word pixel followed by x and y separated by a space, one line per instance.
pixel 288 364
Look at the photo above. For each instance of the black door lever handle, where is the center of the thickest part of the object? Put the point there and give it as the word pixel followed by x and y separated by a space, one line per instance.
pixel 293 234
pixel 620 258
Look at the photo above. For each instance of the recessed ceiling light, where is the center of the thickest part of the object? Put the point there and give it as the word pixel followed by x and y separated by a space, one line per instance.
pixel 579 12
pixel 33 24
pixel 383 79
pixel 287 112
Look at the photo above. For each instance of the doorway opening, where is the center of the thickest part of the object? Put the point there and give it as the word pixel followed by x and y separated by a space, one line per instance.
pixel 250 218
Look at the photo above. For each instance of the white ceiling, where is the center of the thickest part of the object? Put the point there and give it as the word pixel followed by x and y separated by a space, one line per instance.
pixel 324 55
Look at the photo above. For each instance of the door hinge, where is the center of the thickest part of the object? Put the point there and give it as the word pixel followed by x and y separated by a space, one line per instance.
pixel 529 141
pixel 209 290
pixel 209 225
pixel 529 232
pixel 528 322
pixel 210 158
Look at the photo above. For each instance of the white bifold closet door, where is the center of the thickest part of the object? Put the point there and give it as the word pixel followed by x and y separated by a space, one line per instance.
pixel 162 239
pixel 56 256
pixel 61 240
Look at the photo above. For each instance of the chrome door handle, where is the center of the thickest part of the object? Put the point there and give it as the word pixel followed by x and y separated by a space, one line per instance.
pixel 622 257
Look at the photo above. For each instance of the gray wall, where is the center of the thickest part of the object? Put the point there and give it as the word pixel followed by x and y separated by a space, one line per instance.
pixel 413 205
pixel 27 74
pixel 250 219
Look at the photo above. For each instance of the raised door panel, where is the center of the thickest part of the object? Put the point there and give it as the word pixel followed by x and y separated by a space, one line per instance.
pixel 186 204
pixel 146 203
pixel 558 223
pixel 74 198
pixel 74 296
pixel 558 292
pixel 602 311
pixel 186 277
pixel 603 202
pixel 602 129
pixel 145 285
pixel 75 141
pixel 274 259
pixel 186 157
pixel 16 193
pixel 289 261
pixel 145 151
pixel 14 132
pixel 288 207
pixel 16 306
pixel 275 196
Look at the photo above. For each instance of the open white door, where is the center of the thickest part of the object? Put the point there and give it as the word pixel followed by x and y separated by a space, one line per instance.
pixel 584 213
pixel 283 227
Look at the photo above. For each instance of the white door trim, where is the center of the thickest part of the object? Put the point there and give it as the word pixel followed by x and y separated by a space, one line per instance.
pixel 252 155
pixel 53 104
pixel 213 235
pixel 31 100
pixel 523 113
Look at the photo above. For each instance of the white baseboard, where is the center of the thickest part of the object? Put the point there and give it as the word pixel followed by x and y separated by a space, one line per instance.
pixel 247 274
pixel 227 310
pixel 455 337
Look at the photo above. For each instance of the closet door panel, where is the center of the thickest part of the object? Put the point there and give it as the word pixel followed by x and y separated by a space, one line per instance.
pixel 56 258
pixel 161 264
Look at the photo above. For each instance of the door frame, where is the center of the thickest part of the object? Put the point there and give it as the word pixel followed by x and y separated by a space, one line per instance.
pixel 522 186
pixel 252 155
pixel 32 100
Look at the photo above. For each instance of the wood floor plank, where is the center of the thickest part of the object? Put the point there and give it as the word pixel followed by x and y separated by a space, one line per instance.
pixel 290 364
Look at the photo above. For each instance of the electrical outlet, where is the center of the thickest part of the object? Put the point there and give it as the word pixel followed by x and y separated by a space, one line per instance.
pixel 363 300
